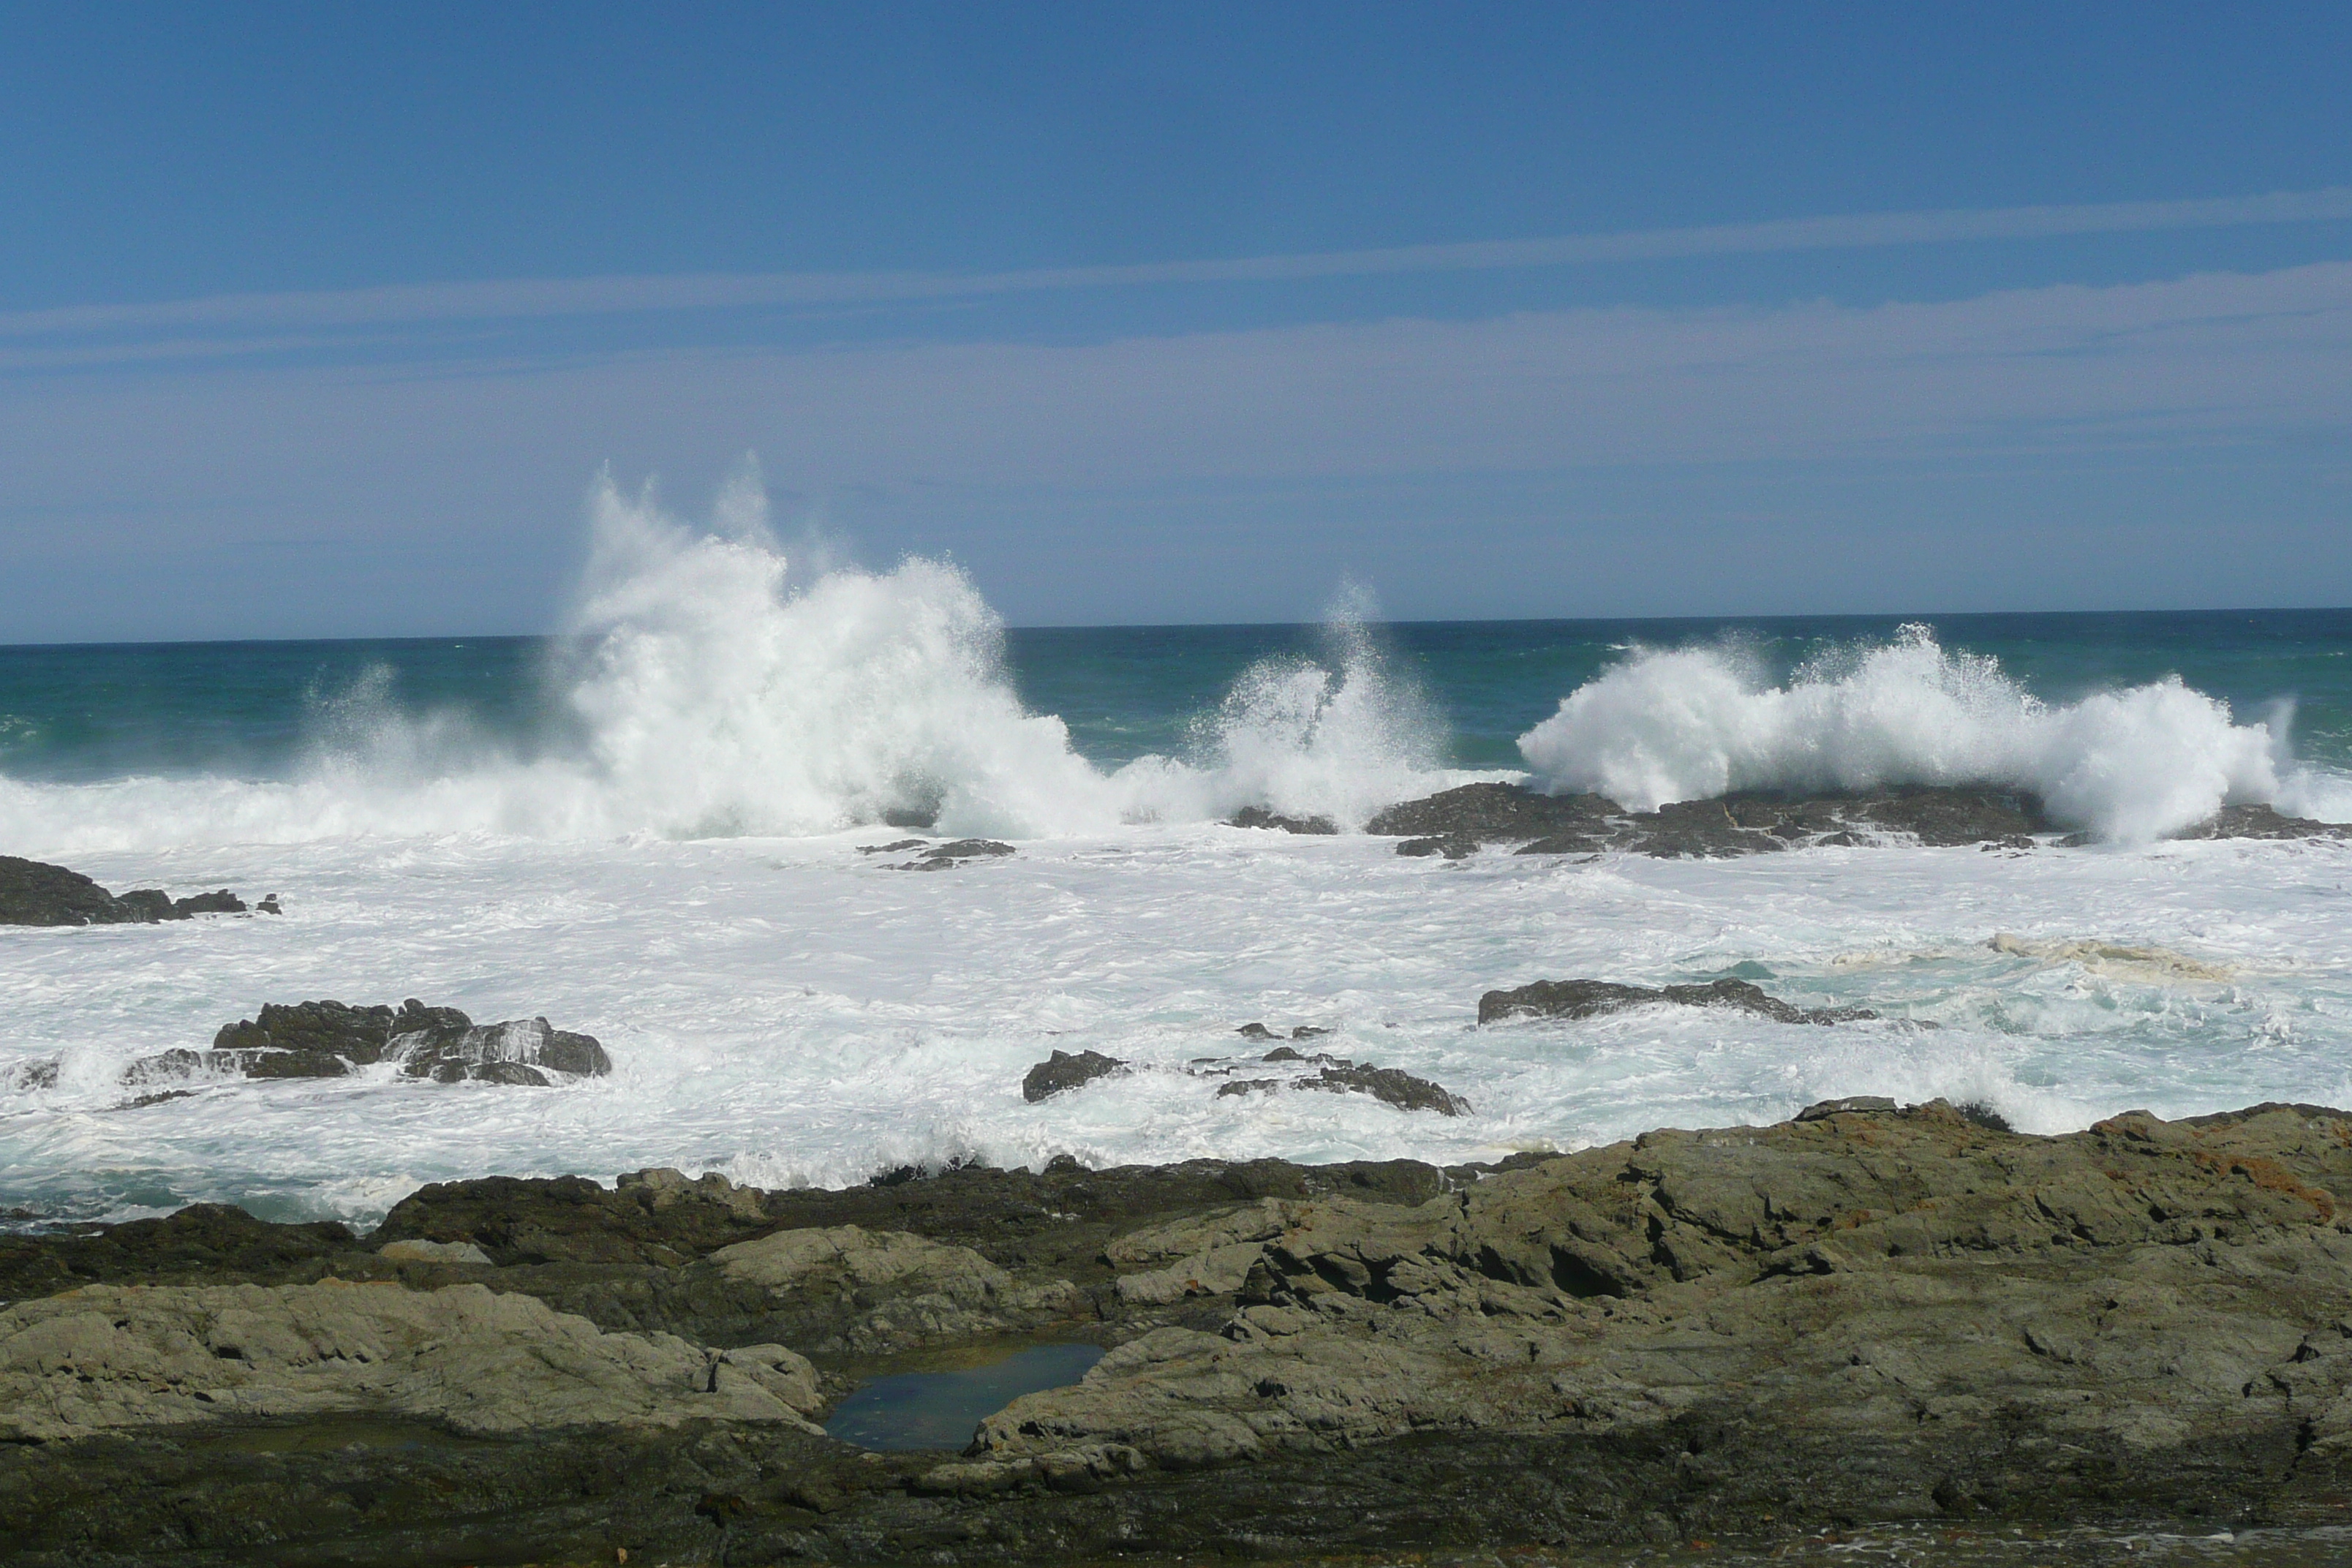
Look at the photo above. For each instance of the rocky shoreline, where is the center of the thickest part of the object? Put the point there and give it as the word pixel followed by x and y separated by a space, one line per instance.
pixel 1867 1316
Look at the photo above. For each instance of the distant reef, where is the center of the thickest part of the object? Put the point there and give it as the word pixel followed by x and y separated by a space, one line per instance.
pixel 1869 1316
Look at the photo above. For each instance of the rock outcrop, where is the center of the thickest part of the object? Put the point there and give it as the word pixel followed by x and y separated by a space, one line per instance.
pixel 109 1356
pixel 34 893
pixel 941 856
pixel 1869 1316
pixel 1597 998
pixel 1456 822
pixel 1259 817
pixel 1063 1071
pixel 330 1039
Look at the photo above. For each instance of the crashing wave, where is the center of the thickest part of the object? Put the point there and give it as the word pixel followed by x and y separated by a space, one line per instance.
pixel 1697 722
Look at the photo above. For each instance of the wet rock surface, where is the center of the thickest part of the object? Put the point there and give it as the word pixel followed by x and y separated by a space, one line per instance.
pixel 1063 1071
pixel 1598 999
pixel 1455 823
pixel 34 893
pixel 1259 817
pixel 331 1039
pixel 1869 1314
pixel 939 857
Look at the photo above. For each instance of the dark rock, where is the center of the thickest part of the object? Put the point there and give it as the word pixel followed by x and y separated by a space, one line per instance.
pixel 1339 1075
pixel 204 1242
pixel 1259 817
pixel 1453 846
pixel 330 1039
pixel 944 857
pixel 1488 811
pixel 1557 844
pixel 1852 1105
pixel 150 904
pixel 41 1073
pixel 1387 1085
pixel 895 846
pixel 922 819
pixel 1063 1071
pixel 2263 822
pixel 34 894
pixel 1256 1032
pixel 270 905
pixel 1308 1031
pixel 1593 998
pixel 968 849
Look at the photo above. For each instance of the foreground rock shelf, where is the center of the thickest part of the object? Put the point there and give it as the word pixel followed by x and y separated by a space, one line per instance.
pixel 1867 1314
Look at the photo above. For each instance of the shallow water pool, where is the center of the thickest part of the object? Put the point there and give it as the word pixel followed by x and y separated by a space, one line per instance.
pixel 940 1409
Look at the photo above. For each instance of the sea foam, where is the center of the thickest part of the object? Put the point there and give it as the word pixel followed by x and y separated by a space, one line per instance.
pixel 2131 765
pixel 704 691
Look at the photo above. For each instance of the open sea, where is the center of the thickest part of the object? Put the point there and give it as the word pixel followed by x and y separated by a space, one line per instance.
pixel 649 829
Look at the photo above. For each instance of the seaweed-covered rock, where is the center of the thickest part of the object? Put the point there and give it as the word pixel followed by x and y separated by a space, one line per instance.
pixel 1063 1071
pixel 1594 998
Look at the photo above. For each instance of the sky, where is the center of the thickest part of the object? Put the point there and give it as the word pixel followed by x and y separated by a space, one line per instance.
pixel 323 319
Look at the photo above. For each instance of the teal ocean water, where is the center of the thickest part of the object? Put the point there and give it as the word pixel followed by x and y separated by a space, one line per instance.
pixel 265 709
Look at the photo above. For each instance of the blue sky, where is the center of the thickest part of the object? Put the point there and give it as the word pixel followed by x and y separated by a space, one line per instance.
pixel 321 319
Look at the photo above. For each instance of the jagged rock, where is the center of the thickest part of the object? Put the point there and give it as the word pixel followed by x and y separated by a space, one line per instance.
pixel 949 856
pixel 330 1039
pixel 111 1356
pixel 34 893
pixel 2153 1290
pixel 1594 998
pixel 223 902
pixel 1259 817
pixel 1488 811
pixel 1063 1071
pixel 1387 1085
pixel 1453 846
pixel 1896 1318
pixel 895 847
pixel 2263 822
pixel 41 1073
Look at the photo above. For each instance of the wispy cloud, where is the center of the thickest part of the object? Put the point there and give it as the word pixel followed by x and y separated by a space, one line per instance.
pixel 523 298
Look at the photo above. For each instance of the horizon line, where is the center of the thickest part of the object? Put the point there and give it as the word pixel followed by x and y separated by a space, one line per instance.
pixel 1285 625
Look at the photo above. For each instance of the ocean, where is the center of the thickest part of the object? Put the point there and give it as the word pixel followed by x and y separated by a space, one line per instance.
pixel 651 829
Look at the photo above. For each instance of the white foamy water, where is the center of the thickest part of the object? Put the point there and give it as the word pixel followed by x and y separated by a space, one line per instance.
pixel 2133 765
pixel 713 696
pixel 678 874
pixel 789 1010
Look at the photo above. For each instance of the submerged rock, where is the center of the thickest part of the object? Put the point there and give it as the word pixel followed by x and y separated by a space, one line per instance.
pixel 1259 817
pixel 1336 1075
pixel 1595 998
pixel 1063 1071
pixel 2262 822
pixel 331 1039
pixel 947 857
pixel 34 893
